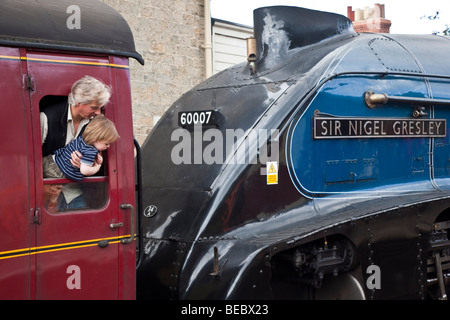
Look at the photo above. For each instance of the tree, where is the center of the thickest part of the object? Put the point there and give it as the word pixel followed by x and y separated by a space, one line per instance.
pixel 445 32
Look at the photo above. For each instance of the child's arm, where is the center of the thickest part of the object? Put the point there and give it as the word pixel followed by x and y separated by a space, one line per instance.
pixel 89 170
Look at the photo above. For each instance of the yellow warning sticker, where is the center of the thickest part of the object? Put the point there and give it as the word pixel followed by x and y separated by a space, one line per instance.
pixel 272 168
pixel 272 172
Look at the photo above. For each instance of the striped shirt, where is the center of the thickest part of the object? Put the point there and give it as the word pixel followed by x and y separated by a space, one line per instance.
pixel 63 156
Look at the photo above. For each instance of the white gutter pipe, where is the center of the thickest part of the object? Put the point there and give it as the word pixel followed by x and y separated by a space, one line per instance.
pixel 208 42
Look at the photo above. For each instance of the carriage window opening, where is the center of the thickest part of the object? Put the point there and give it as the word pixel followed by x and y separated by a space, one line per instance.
pixel 61 194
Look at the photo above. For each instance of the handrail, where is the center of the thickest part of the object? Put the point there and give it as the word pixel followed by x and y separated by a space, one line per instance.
pixel 373 99
pixel 125 206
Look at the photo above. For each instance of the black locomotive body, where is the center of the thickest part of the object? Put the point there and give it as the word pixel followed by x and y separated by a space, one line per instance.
pixel 317 170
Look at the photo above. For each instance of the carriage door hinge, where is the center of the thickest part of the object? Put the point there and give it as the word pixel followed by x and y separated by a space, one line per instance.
pixel 29 83
pixel 36 215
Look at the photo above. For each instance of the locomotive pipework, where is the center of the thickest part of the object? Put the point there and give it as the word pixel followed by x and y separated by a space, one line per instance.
pixel 274 179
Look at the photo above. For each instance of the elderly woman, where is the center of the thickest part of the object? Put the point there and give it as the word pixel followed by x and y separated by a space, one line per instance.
pixel 63 122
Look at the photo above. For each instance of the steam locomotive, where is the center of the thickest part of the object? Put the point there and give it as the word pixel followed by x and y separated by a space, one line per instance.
pixel 319 169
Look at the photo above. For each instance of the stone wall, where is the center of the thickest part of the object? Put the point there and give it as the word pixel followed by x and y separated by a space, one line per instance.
pixel 170 37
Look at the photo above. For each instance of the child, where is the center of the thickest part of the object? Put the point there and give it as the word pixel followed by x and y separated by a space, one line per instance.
pixel 97 137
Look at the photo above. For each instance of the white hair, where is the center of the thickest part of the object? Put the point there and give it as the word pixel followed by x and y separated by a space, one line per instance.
pixel 89 90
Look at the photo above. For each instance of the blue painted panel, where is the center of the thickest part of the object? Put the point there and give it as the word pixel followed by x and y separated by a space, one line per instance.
pixel 353 165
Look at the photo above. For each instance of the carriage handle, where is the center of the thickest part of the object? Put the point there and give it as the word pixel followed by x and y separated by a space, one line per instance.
pixel 130 239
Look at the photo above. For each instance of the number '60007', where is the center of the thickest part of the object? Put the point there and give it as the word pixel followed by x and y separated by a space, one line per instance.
pixel 194 117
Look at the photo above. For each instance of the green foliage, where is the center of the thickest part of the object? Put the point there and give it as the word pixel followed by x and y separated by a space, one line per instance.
pixel 436 16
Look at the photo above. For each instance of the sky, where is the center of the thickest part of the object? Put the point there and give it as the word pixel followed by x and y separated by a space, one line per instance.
pixel 405 15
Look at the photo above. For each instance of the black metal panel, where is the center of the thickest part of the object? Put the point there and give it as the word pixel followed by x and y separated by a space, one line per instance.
pixel 279 29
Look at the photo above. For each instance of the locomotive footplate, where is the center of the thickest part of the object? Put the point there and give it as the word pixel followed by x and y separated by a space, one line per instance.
pixel 438 264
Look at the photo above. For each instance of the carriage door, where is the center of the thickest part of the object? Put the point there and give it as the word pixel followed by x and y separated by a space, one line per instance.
pixel 77 250
pixel 15 183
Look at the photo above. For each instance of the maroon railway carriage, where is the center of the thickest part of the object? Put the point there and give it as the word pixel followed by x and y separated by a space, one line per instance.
pixel 45 46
